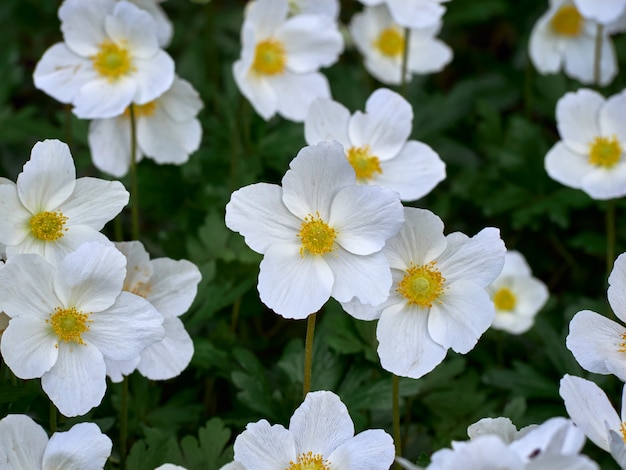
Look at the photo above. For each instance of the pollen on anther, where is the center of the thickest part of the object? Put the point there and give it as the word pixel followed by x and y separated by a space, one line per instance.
pixel 316 236
pixel 422 285
pixel 69 324
pixel 48 226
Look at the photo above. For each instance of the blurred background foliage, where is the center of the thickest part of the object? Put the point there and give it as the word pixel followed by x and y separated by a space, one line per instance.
pixel 491 118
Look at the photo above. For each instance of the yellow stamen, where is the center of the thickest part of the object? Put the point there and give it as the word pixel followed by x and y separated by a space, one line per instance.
pixel 622 428
pixel 112 61
pixel 390 42
pixel 567 21
pixel 309 461
pixel 68 324
pixel 504 299
pixel 147 109
pixel 317 236
pixel 48 226
pixel 364 163
pixel 422 285
pixel 622 345
pixel 605 152
pixel 270 57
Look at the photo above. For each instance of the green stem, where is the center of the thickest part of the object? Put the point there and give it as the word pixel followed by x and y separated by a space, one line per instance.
pixel 308 354
pixel 610 235
pixel 53 418
pixel 396 417
pixel 124 423
pixel 405 61
pixel 134 192
pixel 235 314
pixel 598 55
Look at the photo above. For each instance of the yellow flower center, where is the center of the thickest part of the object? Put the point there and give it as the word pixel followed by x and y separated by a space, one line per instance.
pixel 317 236
pixel 269 57
pixel 147 109
pixel 504 299
pixel 605 152
pixel 364 163
pixel 112 61
pixel 567 21
pixel 48 226
pixel 390 42
pixel 68 324
pixel 622 428
pixel 309 461
pixel 422 285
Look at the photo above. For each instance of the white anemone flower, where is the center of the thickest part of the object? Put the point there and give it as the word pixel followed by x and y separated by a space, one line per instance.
pixel 321 234
pixel 517 295
pixel 168 131
pixel 25 445
pixel 591 410
pixel 49 211
pixel 591 154
pixel 329 8
pixel 599 343
pixel 564 39
pixel 164 28
pixel 110 59
pixel 413 13
pixel 66 320
pixel 320 436
pixel 170 286
pixel 438 299
pixel 280 58
pixel 382 42
pixel 376 143
pixel 602 11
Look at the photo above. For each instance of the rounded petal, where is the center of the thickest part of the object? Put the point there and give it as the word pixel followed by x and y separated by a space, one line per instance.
pixel 320 424
pixel 464 313
pixel 132 28
pixel 612 116
pixel 91 277
pixel 617 287
pixel 514 265
pixel 173 286
pixel 100 98
pixel 327 120
pixel 566 166
pixel 579 56
pixel 603 11
pixel 48 178
pixel 577 116
pixel 259 91
pixel 294 285
pixel 181 102
pixel 82 24
pixel 109 144
pixel 369 450
pixel 95 202
pixel 314 177
pixel 154 77
pixel 405 346
pixel 501 427
pixel 606 183
pixel 512 323
pixel 14 217
pixel 413 172
pixel 167 358
pixel 266 16
pixel 117 370
pixel 544 47
pixel 83 447
pixel 262 225
pixel 29 347
pixel 164 28
pixel 23 443
pixel 138 267
pixel 262 446
pixel 417 13
pixel 427 54
pixel 75 236
pixel 76 383
pixel 296 91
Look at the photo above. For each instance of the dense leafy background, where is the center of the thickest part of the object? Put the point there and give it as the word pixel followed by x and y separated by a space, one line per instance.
pixel 491 118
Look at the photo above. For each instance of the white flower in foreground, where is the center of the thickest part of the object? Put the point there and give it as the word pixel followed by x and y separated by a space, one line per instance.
pixel 381 41
pixel 375 143
pixel 320 436
pixel 517 295
pixel 164 28
pixel 321 233
pixel 167 131
pixel 110 58
pixel 233 466
pixel 329 8
pixel 591 154
pixel 280 58
pixel 563 39
pixel 602 11
pixel 66 320
pixel 438 299
pixel 169 466
pixel 590 409
pixel 598 343
pixel 413 13
pixel 170 286
pixel 49 211
pixel 25 445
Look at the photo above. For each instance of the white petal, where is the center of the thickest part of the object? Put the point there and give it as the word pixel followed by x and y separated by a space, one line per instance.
pixel 413 172
pixel 514 265
pixel 617 287
pixel 606 183
pixel 22 443
pixel 77 382
pixel 75 236
pixel 416 13
pixel 258 90
pixel 173 286
pixel 501 427
pixel 164 26
pixel 109 144
pixel 29 347
pixel 82 24
pixel 14 217
pixel 464 314
pixel 320 424
pixel 169 357
pixel 117 370
pixel 133 29
pixel 138 267
pixel 83 447
pixel 597 343
pixel 101 99
pixel 512 323
pixel 154 77
pixel 314 177
pixel 261 446
pixel 427 54
pixel 405 346
pixel 266 16
pixel 385 126
pixel 365 277
pixel 603 11
pixel 48 178
pixel 369 450
pixel 566 166
pixel 589 408
pixel 577 118
pixel 265 224
pixel 579 56
pixel 544 47
pixel 612 116
pixel 291 284
pixel 327 120
pixel 91 277
pixel 181 102
pixel 365 217
pixel 95 202
pixel 296 92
